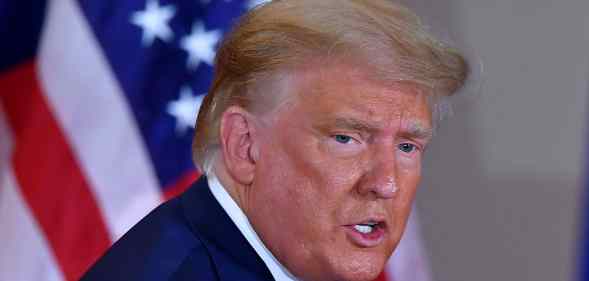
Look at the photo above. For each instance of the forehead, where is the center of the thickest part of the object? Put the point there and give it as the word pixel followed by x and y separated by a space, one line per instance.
pixel 344 92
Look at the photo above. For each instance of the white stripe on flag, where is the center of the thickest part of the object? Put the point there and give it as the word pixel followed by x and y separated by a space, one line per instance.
pixel 90 106
pixel 409 261
pixel 5 143
pixel 25 254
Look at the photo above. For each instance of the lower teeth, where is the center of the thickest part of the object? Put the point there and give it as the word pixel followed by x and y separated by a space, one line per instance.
pixel 363 228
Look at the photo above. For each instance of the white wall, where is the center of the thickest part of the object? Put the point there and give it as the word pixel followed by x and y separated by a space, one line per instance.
pixel 503 181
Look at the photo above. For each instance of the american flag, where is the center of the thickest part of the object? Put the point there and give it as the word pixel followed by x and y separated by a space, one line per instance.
pixel 98 101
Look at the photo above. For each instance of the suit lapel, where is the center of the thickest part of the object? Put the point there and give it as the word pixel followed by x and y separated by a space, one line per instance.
pixel 224 241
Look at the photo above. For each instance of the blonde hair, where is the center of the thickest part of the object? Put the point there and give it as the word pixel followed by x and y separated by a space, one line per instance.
pixel 384 36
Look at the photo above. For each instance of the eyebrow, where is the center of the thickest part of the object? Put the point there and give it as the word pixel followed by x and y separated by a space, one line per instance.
pixel 414 129
pixel 355 124
pixel 418 131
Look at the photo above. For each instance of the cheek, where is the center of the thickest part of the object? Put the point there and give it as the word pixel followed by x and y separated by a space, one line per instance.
pixel 310 158
pixel 408 171
pixel 410 176
pixel 285 181
pixel 304 178
pixel 409 181
pixel 303 187
pixel 304 163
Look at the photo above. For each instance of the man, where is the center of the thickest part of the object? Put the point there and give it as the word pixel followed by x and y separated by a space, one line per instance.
pixel 311 139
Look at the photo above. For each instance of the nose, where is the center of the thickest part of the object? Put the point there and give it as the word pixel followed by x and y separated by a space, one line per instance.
pixel 380 179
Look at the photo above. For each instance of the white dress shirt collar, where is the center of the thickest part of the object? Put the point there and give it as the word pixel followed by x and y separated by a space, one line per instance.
pixel 278 271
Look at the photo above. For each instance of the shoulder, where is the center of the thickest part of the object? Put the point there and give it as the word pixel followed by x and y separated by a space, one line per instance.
pixel 162 246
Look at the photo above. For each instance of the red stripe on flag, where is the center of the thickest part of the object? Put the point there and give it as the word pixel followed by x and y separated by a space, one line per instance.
pixel 382 277
pixel 181 185
pixel 50 178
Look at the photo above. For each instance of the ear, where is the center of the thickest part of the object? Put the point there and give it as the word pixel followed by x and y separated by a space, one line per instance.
pixel 238 144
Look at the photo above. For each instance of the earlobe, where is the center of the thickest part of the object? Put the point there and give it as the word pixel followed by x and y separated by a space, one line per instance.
pixel 238 147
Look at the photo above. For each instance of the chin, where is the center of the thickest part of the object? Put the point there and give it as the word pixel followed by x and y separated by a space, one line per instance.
pixel 364 267
pixel 359 276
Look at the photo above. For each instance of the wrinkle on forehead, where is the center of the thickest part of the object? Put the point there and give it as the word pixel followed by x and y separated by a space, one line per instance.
pixel 290 86
pixel 312 78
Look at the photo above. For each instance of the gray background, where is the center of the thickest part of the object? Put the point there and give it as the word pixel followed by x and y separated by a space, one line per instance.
pixel 502 192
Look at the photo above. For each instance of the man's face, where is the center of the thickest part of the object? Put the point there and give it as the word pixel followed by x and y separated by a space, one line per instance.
pixel 337 171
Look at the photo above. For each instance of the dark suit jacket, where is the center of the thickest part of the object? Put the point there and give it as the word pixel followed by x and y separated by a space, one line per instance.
pixel 188 238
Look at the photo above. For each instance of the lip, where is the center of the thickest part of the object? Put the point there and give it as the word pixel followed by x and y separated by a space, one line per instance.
pixel 366 240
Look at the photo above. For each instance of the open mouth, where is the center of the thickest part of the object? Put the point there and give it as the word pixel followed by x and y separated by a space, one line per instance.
pixel 367 228
pixel 366 234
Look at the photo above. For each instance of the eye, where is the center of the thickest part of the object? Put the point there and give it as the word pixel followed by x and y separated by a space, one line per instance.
pixel 407 147
pixel 342 138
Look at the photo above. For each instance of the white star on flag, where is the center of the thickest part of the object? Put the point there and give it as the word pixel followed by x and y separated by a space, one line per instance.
pixel 185 110
pixel 155 22
pixel 200 45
